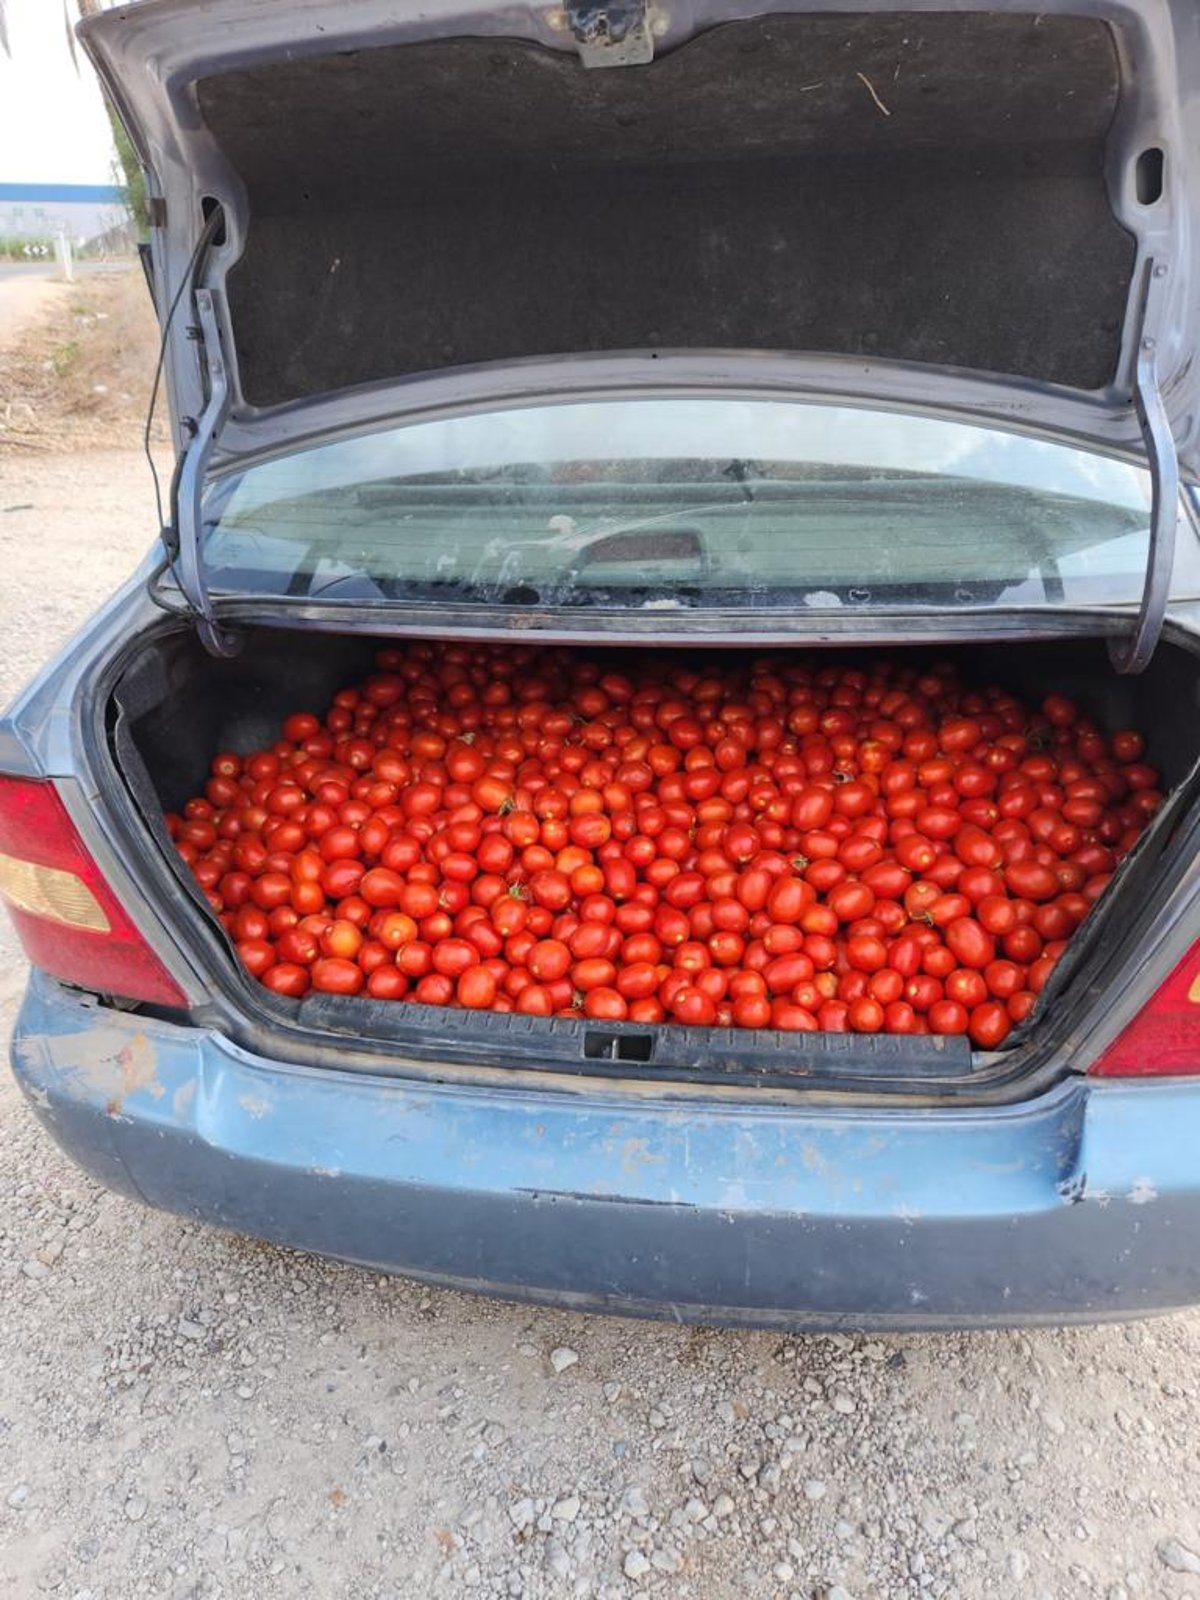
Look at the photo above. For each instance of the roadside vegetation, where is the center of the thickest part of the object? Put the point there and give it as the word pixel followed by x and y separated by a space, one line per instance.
pixel 79 375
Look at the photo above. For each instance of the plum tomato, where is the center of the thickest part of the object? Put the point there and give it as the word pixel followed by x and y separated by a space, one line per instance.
pixel 789 842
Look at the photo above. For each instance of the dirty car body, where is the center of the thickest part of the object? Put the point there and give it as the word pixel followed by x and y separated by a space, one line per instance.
pixel 531 210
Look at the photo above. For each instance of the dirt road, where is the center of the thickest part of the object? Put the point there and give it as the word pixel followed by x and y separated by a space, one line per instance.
pixel 192 1415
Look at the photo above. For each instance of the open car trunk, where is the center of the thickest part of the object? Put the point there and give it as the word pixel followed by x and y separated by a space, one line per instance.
pixel 172 707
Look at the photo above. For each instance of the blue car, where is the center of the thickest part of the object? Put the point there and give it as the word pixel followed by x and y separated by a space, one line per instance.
pixel 719 331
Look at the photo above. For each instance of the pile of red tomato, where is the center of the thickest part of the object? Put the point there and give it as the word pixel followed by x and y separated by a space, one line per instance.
pixel 754 842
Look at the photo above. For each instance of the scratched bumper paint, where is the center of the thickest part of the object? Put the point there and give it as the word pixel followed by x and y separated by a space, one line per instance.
pixel 1084 1204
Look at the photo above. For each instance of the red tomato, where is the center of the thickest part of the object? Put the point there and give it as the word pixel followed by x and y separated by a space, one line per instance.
pixel 343 939
pixel 851 901
pixel 789 1017
pixel 785 843
pixel 549 960
pixel 452 957
pixel 333 975
pixel 785 972
pixel 967 987
pixel 752 1011
pixel 381 887
pixel 476 989
pixel 1004 978
pixel 256 955
pixel 948 1016
pixel 866 1015
pixel 1031 880
pixel 990 1025
pixel 970 943
pixel 387 983
pixel 693 1008
pixel 1128 746
pixel 866 953
pixel 812 808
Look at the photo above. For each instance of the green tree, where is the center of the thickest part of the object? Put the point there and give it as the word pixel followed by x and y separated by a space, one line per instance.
pixel 128 167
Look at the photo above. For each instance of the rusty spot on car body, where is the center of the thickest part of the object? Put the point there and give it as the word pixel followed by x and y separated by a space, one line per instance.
pixel 138 1066
pixel 106 1064
pixel 635 1154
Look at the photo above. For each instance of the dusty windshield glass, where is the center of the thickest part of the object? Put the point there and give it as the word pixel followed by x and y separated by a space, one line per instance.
pixel 685 502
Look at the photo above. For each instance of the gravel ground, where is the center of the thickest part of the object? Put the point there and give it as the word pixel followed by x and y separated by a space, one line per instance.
pixel 188 1414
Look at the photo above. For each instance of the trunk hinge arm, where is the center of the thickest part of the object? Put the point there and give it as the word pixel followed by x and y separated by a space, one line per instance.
pixel 1132 654
pixel 187 497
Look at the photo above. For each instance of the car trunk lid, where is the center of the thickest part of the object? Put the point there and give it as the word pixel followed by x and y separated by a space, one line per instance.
pixel 376 213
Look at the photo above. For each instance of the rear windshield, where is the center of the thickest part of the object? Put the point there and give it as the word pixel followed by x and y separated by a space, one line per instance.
pixel 686 502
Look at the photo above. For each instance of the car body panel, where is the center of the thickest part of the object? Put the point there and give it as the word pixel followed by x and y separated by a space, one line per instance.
pixel 1065 1200
pixel 152 55
pixel 1081 1204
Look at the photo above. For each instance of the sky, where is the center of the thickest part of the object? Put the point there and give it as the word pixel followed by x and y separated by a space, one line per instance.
pixel 53 127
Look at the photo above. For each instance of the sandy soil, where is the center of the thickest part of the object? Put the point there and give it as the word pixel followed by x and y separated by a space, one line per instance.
pixel 23 301
pixel 188 1414
pixel 76 362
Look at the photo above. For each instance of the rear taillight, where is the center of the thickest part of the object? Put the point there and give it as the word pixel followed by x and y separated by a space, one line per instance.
pixel 66 916
pixel 1163 1040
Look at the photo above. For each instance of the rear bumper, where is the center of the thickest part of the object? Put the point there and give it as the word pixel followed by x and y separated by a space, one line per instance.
pixel 1081 1205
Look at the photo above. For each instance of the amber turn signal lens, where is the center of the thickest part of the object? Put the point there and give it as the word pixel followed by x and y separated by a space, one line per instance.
pixel 49 892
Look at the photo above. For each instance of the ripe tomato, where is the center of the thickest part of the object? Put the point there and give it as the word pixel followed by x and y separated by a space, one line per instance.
pixel 387 983
pixel 948 1016
pixel 595 973
pixel 752 1011
pixel 996 913
pixel 334 975
pixel 970 943
pixel 990 1025
pixel 256 955
pixel 866 1015
pixel 789 1017
pixel 692 1008
pixel 1128 745
pixel 967 987
pixel 549 960
pixel 342 938
pixel 476 988
pixel 452 957
pixel 788 898
pixel 1030 880
pixel 605 1003
pixel 866 953
pixel 287 978
pixel 381 887
pixel 783 842
pixel 850 901
pixel 785 972
pixel 535 1001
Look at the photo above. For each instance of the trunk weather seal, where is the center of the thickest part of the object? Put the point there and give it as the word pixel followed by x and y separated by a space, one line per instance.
pixel 783 625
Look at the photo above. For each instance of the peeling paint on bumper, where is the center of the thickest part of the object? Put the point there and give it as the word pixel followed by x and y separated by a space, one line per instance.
pixel 1081 1205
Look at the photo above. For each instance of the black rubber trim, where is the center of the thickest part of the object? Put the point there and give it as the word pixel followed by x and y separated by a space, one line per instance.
pixel 701 1055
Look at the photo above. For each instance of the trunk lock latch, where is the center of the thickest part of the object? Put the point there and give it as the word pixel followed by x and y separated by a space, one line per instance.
pixel 612 33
